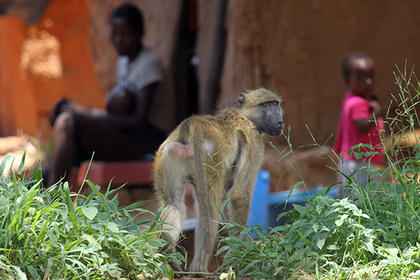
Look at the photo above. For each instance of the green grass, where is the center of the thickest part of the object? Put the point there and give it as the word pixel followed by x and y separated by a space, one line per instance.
pixel 55 234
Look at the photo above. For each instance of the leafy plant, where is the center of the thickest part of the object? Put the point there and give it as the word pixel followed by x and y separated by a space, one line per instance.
pixel 373 234
pixel 56 234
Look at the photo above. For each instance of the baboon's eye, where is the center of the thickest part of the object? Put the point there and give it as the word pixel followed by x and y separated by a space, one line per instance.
pixel 275 103
pixel 265 104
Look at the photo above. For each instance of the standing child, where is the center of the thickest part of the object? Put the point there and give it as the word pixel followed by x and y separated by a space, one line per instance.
pixel 360 118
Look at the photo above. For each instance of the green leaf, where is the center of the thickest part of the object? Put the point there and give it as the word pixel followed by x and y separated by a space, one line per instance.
pixel 90 212
pixel 167 270
pixel 4 162
pixel 5 276
pixel 4 200
pixel 112 206
pixel 101 197
pixel 293 189
pixel 113 227
pixel 358 155
pixel 342 219
pixel 136 205
pixel 332 247
pixel 70 206
pixel 320 242
pixel 339 222
pixel 33 272
pixel 301 209
pixel 370 248
pixel 22 164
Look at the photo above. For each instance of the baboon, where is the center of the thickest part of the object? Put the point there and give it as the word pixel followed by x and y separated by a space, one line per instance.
pixel 219 156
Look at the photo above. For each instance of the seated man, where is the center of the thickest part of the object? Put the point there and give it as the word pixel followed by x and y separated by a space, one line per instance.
pixel 139 112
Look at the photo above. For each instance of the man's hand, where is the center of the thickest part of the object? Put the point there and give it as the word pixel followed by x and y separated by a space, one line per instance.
pixel 74 107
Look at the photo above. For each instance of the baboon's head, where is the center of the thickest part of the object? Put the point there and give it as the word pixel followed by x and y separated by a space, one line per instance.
pixel 262 107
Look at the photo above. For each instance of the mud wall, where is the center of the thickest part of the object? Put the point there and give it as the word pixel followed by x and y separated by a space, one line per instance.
pixel 292 47
pixel 296 48
pixel 43 62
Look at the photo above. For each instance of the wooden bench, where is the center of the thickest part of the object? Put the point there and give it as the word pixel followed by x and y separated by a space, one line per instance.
pixel 141 173
pixel 115 172
pixel 118 173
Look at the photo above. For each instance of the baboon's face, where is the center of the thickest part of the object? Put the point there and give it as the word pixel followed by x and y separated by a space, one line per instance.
pixel 269 118
pixel 262 107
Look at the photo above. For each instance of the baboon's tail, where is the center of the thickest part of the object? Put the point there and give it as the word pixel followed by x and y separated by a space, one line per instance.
pixel 185 132
pixel 199 157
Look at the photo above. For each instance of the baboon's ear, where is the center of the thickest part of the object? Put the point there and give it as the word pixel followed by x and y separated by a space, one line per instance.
pixel 240 101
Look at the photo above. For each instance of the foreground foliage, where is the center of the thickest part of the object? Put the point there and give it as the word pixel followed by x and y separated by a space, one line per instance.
pixel 372 234
pixel 55 234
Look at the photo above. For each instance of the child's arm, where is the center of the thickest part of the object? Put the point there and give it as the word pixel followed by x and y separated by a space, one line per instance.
pixel 364 125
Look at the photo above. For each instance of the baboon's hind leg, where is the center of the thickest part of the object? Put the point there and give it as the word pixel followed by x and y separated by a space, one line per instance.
pixel 208 203
pixel 170 189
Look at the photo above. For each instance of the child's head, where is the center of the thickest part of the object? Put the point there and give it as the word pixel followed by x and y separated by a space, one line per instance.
pixel 359 73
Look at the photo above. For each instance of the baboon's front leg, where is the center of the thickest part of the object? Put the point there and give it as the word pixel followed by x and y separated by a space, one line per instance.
pixel 240 194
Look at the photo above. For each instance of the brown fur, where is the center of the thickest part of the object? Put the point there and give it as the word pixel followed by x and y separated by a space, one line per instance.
pixel 220 157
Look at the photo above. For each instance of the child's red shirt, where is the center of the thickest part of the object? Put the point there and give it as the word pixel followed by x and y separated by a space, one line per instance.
pixel 356 108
